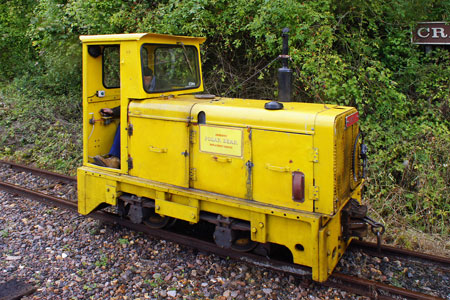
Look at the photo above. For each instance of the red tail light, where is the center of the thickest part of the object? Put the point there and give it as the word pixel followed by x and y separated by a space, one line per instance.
pixel 298 186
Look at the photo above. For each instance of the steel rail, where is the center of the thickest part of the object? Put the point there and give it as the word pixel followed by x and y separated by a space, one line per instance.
pixel 27 193
pixel 40 172
pixel 374 289
pixel 400 252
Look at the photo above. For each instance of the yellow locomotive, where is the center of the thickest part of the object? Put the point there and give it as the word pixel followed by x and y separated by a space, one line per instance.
pixel 263 173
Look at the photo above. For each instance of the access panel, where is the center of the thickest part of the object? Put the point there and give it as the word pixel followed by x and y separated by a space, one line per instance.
pixel 158 150
pixel 279 158
pixel 221 160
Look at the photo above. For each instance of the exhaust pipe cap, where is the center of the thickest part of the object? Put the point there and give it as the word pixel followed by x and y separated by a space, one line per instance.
pixel 273 105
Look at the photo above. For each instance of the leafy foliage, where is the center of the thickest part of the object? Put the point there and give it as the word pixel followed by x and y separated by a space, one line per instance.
pixel 16 55
pixel 354 53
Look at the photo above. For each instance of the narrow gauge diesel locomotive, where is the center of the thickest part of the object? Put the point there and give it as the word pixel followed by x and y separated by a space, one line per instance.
pixel 262 172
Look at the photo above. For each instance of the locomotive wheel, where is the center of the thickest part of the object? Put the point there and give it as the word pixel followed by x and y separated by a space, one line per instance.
pixel 243 243
pixel 157 221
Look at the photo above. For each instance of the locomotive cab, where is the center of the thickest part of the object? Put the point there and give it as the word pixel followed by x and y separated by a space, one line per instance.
pixel 264 176
pixel 114 74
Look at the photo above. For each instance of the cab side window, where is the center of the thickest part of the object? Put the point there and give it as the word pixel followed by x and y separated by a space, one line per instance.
pixel 111 67
pixel 178 65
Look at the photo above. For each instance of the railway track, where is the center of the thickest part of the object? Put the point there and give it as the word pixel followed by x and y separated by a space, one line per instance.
pixel 361 286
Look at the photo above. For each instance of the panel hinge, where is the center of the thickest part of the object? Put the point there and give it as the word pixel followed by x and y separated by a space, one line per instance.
pixel 314 155
pixel 193 174
pixel 130 163
pixel 314 192
pixel 130 129
pixel 193 136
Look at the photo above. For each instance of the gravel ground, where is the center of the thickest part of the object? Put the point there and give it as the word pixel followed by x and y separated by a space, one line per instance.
pixel 68 256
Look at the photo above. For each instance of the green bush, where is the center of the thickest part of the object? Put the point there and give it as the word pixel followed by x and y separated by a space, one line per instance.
pixel 16 53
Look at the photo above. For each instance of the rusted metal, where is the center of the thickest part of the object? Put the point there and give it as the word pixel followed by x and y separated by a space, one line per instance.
pixel 15 289
pixel 44 173
pixel 374 289
pixel 15 189
pixel 352 219
pixel 377 229
pixel 399 252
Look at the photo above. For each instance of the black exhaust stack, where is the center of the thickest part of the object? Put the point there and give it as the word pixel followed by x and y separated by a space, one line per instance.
pixel 284 77
pixel 284 73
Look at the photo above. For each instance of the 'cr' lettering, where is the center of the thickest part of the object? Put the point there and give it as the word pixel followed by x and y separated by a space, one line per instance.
pixel 421 29
pixel 440 31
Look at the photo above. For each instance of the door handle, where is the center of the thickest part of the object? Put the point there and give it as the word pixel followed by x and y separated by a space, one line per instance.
pixel 277 169
pixel 221 159
pixel 157 150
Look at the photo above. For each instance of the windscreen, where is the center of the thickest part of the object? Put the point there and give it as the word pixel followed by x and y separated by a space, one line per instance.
pixel 169 68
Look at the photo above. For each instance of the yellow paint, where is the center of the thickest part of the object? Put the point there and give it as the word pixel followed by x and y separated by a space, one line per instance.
pixel 221 173
pixel 238 164
pixel 275 156
pixel 156 148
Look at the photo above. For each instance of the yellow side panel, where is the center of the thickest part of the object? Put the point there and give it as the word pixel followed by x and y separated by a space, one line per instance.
pixel 300 236
pixel 159 150
pixel 276 155
pixel 219 160
pixel 177 210
pixel 94 190
pixel 331 247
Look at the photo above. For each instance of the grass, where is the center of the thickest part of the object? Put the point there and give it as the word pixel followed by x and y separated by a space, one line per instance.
pixel 124 241
pixel 4 233
pixel 102 262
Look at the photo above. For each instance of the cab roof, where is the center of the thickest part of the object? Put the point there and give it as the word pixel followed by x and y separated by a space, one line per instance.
pixel 138 36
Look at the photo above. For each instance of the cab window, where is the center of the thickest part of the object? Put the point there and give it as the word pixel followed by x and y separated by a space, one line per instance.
pixel 111 67
pixel 169 67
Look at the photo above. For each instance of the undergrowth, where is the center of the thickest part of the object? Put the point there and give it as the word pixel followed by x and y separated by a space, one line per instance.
pixel 409 177
pixel 36 130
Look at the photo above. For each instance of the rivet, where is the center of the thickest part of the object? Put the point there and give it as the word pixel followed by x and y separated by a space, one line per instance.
pixel 261 225
pixel 328 233
pixel 193 216
pixel 157 207
pixel 254 230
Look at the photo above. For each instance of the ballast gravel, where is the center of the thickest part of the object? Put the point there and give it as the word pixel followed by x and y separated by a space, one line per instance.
pixel 68 256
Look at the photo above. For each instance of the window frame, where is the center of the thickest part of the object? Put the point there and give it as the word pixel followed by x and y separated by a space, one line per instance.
pixel 197 66
pixel 103 65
